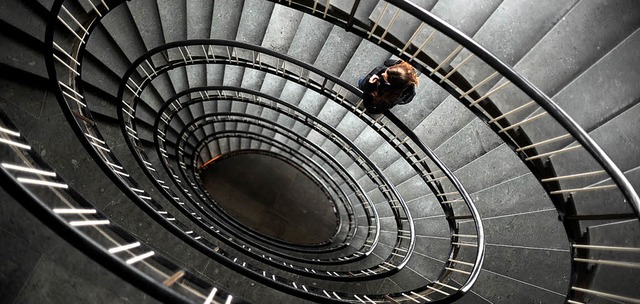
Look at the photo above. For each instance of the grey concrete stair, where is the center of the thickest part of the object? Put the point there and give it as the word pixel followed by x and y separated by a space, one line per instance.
pixel 527 256
pixel 404 25
pixel 612 276
pixel 594 26
pixel 599 87
pixel 530 23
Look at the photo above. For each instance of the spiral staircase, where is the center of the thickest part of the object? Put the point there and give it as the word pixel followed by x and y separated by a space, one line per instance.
pixel 509 179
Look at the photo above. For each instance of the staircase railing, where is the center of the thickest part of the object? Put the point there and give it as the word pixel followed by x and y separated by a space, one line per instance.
pixel 28 178
pixel 258 58
pixel 371 216
pixel 69 93
pixel 541 133
pixel 484 107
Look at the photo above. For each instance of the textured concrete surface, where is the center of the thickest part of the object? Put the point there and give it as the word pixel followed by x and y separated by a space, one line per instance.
pixel 38 266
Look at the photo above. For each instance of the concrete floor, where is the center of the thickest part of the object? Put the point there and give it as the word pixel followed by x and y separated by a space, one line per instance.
pixel 296 211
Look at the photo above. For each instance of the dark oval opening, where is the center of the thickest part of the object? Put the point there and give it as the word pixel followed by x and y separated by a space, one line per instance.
pixel 271 197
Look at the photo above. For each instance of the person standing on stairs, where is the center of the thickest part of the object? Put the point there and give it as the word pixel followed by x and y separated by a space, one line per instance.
pixel 387 85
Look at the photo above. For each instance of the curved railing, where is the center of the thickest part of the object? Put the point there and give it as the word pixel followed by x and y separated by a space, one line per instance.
pixel 27 177
pixel 372 217
pixel 485 102
pixel 100 152
pixel 545 138
pixel 289 68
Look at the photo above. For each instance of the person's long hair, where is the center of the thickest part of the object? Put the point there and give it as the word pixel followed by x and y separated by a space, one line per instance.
pixel 400 76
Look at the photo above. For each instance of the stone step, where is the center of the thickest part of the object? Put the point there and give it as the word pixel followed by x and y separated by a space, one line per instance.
pixel 199 17
pixel 121 27
pixel 612 279
pixel 527 22
pixel 494 287
pixel 251 29
pixel 146 16
pixel 21 56
pixel 306 45
pixel 471 142
pixel 497 165
pixel 595 96
pixel 13 12
pixel 617 138
pixel 586 33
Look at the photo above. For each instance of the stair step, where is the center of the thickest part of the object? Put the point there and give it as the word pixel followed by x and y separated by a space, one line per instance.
pixel 14 11
pixel 497 165
pixel 101 45
pixel 226 19
pixel 199 16
pixel 542 269
pixel 500 287
pixel 528 23
pixel 122 29
pixel 599 87
pixel 173 19
pixel 282 29
pixel 595 27
pixel 471 142
pixel 309 39
pixel 254 21
pixel 404 24
pixel 21 56
pixel 147 18
pixel 612 279
pixel 337 51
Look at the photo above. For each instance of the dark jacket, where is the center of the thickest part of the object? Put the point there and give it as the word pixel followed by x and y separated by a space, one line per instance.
pixel 405 97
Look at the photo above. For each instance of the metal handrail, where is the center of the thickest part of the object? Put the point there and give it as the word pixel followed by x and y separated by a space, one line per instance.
pixel 538 96
pixel 477 104
pixel 236 60
pixel 158 144
pixel 88 245
pixel 372 217
pixel 62 99
pixel 150 207
pixel 164 48
pixel 162 144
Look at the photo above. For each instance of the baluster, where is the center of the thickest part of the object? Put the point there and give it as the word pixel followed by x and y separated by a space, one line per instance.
pixel 423 45
pixel 525 121
pixel 94 8
pixel 386 30
pixel 415 34
pixel 479 84
pixel 544 142
pixel 457 67
pixel 139 258
pixel 500 87
pixel 518 109
pixel 326 9
pixel 375 25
